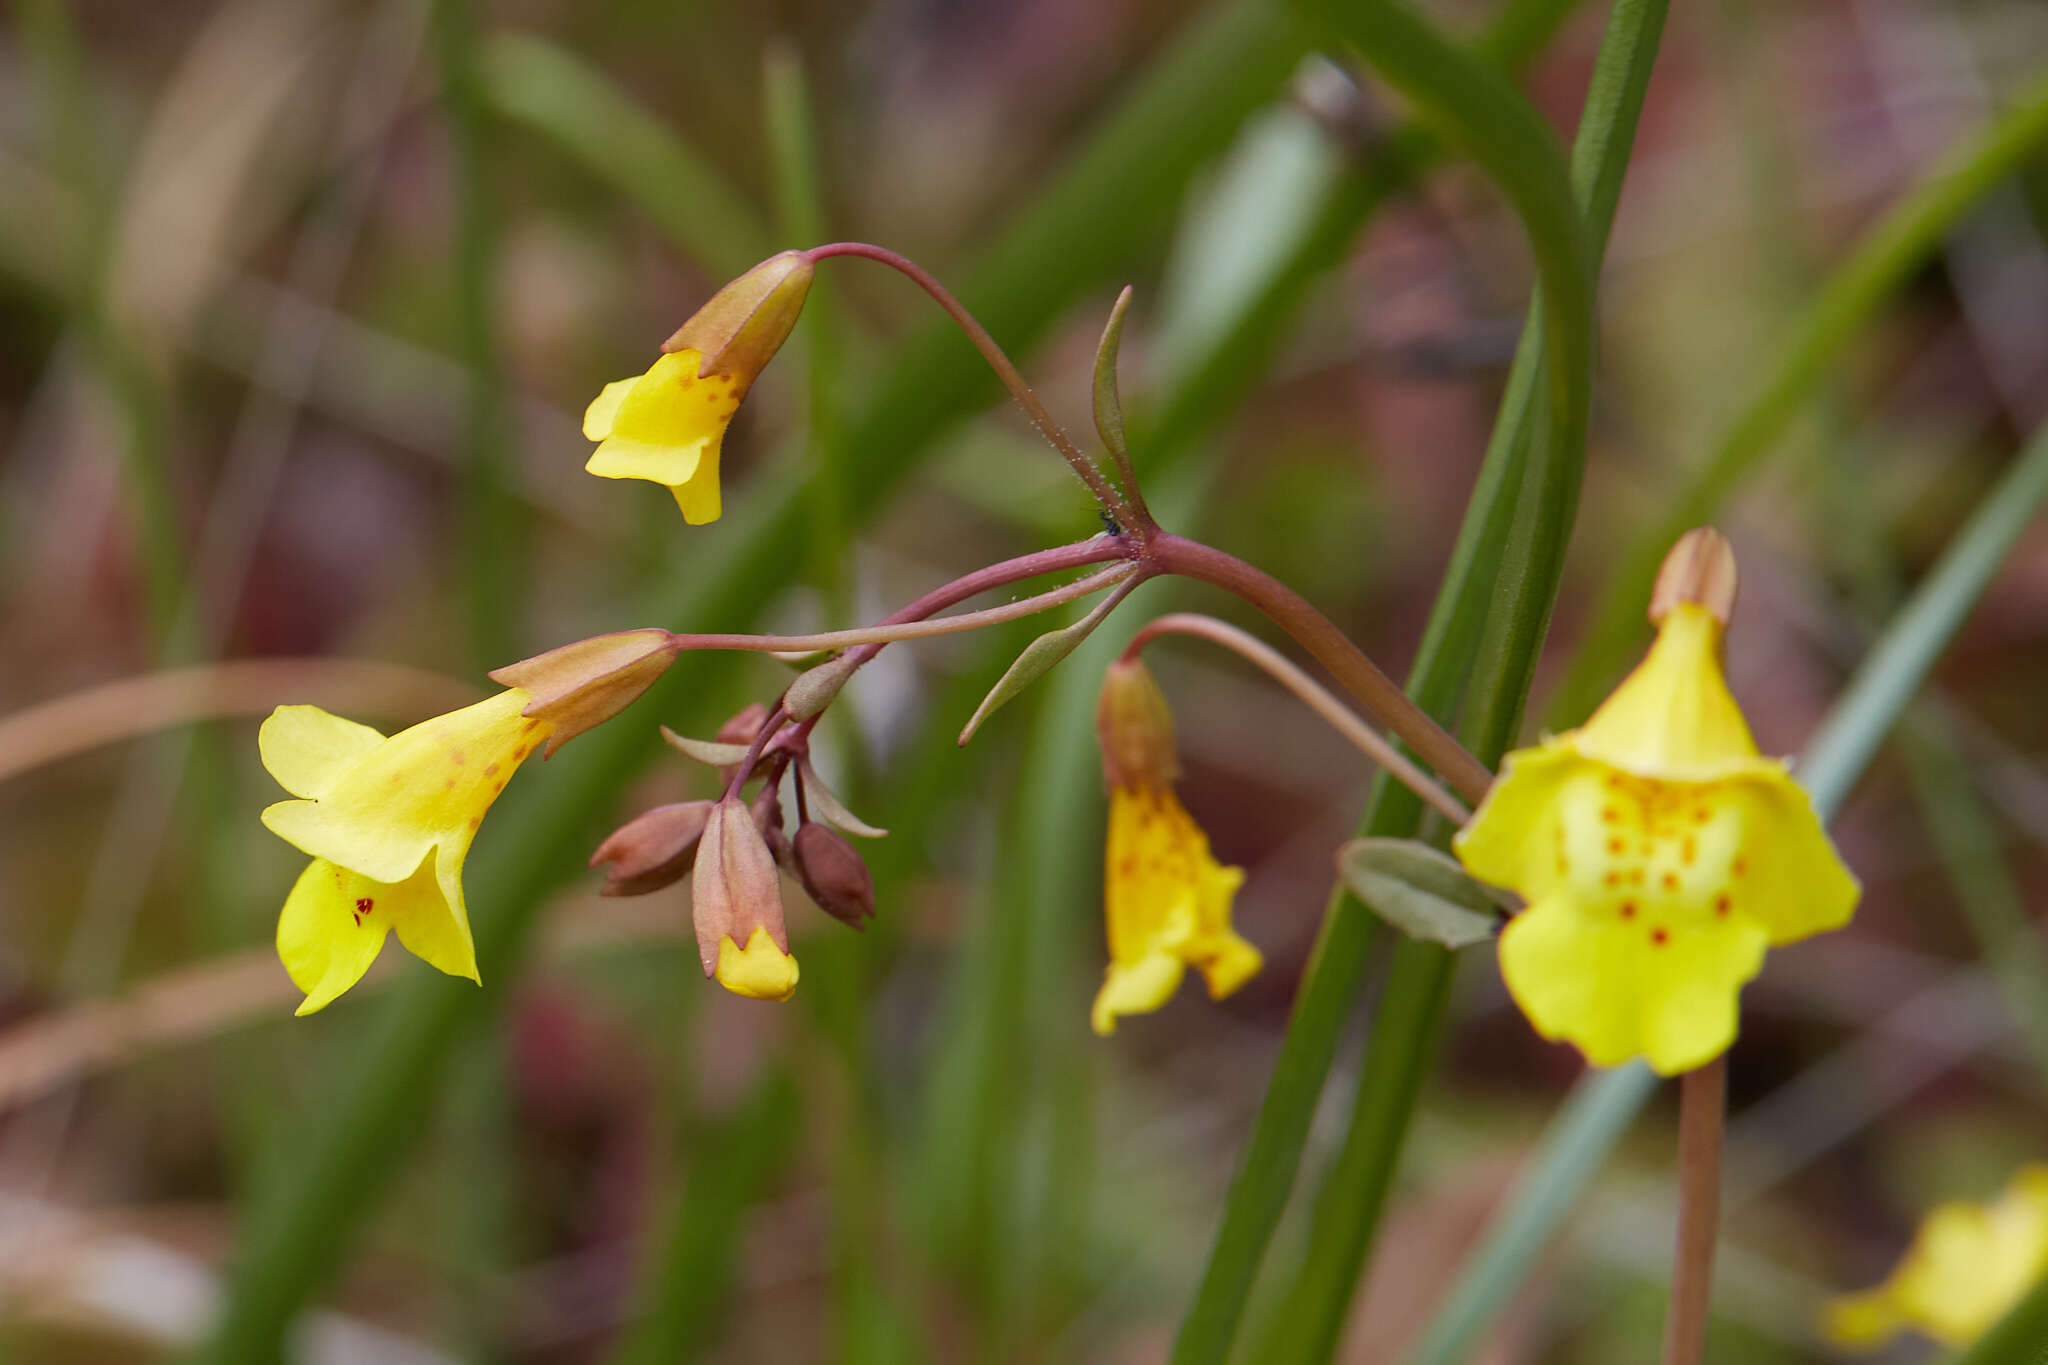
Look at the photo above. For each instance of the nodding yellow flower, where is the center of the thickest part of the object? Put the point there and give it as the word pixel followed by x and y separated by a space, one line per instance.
pixel 1658 852
pixel 1969 1264
pixel 389 823
pixel 667 425
pixel 1167 900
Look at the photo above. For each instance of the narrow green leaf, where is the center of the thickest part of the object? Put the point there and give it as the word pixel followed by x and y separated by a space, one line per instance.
pixel 1109 408
pixel 1884 259
pixel 1419 890
pixel 708 751
pixel 1039 658
pixel 831 809
pixel 1836 756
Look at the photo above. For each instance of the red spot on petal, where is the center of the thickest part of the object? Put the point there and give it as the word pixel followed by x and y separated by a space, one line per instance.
pixel 490 770
pixel 1628 909
pixel 1660 936
pixel 1614 879
pixel 1670 881
pixel 1615 845
pixel 1721 905
pixel 1702 815
pixel 457 757
pixel 1741 867
pixel 1610 815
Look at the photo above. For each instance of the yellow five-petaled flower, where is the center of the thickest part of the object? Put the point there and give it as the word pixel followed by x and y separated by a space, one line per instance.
pixel 1660 855
pixel 1968 1266
pixel 1166 898
pixel 389 823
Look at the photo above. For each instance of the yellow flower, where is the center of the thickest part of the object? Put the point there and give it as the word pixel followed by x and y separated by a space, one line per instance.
pixel 1168 904
pixel 1166 898
pixel 1968 1265
pixel 667 425
pixel 389 823
pixel 1659 855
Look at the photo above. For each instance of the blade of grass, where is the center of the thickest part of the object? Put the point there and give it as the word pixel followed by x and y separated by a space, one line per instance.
pixel 1887 255
pixel 1834 759
pixel 532 82
pixel 1117 194
pixel 1353 1195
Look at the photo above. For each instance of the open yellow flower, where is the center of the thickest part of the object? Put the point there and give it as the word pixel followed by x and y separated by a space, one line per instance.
pixel 1968 1266
pixel 667 425
pixel 1659 854
pixel 1166 897
pixel 389 824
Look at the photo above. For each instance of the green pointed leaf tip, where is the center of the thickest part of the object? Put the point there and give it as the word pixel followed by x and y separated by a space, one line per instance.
pixel 1109 408
pixel 1419 890
pixel 705 750
pixel 1035 662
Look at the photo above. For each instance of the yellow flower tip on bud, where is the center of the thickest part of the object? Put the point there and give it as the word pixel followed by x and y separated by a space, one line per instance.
pixel 1135 728
pixel 388 822
pixel 1659 853
pixel 1167 904
pixel 759 971
pixel 580 686
pixel 1700 569
pixel 654 849
pixel 1969 1264
pixel 667 425
pixel 735 891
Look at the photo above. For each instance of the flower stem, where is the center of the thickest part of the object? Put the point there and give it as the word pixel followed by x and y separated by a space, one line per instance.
pixel 883 633
pixel 1315 632
pixel 1311 693
pixel 1703 1095
pixel 1013 380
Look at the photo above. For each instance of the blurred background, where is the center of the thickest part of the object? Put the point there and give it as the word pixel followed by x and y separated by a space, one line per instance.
pixel 300 304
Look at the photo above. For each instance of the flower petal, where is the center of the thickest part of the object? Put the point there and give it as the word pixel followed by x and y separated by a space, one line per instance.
pixel 380 850
pixel 622 457
pixel 306 748
pixel 603 411
pixel 1621 988
pixel 1508 839
pixel 1673 717
pixel 760 971
pixel 1797 885
pixel 1135 988
pixel 698 495
pixel 325 943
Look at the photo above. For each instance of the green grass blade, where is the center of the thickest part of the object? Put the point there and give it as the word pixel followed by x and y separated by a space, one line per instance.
pixel 530 81
pixel 1308 1325
pixel 1124 186
pixel 1835 757
pixel 1888 255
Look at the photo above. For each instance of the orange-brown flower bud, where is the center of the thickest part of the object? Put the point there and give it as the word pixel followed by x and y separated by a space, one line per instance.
pixel 742 327
pixel 654 849
pixel 736 901
pixel 1135 728
pixel 1699 567
pixel 836 876
pixel 581 686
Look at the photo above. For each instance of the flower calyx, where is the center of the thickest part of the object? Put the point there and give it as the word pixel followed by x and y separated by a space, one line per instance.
pixel 736 903
pixel 1135 728
pixel 580 686
pixel 834 874
pixel 654 849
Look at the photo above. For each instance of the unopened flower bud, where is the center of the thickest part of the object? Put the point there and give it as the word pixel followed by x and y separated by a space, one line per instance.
pixel 582 685
pixel 835 875
pixel 815 688
pixel 744 324
pixel 1135 728
pixel 741 729
pixel 736 901
pixel 654 849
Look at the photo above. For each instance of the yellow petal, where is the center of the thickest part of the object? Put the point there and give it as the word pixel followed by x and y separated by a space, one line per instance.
pixel 1227 962
pixel 1507 839
pixel 1861 1321
pixel 1673 717
pixel 1621 987
pixel 325 945
pixel 760 971
pixel 306 749
pixel 604 409
pixel 621 457
pixel 1138 987
pixel 1793 882
pixel 698 495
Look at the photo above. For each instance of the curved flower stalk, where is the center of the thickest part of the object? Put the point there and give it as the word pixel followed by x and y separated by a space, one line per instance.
pixel 1659 853
pixel 1166 899
pixel 389 824
pixel 1968 1265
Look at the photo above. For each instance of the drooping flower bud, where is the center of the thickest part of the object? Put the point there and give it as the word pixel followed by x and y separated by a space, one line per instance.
pixel 654 849
pixel 835 875
pixel 1135 728
pixel 668 424
pixel 580 686
pixel 736 901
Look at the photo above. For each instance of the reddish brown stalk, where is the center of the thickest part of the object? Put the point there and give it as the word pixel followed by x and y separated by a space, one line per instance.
pixel 1012 378
pixel 1346 662
pixel 1703 1097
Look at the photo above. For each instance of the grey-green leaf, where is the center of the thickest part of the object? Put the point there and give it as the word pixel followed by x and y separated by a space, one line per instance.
pixel 1040 656
pixel 705 750
pixel 1419 890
